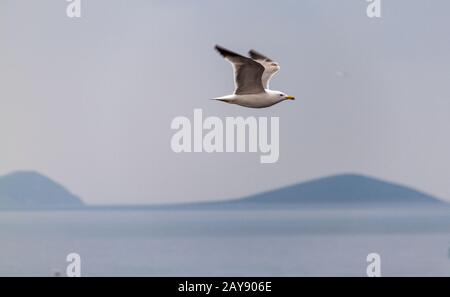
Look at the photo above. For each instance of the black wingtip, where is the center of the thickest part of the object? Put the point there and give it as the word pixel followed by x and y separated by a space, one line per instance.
pixel 258 56
pixel 225 52
pixel 219 49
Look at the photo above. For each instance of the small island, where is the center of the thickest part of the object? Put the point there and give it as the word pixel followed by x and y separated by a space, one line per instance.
pixel 28 190
pixel 347 189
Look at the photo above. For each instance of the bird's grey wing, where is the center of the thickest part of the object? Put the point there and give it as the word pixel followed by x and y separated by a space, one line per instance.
pixel 247 73
pixel 271 67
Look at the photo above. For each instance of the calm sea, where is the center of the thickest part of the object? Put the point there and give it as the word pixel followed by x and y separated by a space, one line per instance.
pixel 314 242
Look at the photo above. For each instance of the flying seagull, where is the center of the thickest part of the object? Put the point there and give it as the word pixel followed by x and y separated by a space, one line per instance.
pixel 251 78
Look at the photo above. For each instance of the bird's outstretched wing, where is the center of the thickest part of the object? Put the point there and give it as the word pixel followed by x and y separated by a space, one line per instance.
pixel 271 67
pixel 248 74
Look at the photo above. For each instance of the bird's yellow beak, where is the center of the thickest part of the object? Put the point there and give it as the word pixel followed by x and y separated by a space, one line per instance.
pixel 290 97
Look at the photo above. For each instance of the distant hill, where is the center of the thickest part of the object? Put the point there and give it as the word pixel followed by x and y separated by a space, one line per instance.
pixel 347 189
pixel 31 190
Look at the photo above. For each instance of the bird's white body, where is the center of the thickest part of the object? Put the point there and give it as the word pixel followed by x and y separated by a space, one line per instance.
pixel 260 100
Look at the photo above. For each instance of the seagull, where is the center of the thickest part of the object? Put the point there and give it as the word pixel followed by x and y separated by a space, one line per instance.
pixel 251 79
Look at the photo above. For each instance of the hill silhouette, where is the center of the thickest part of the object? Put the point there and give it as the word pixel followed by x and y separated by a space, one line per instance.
pixel 343 189
pixel 32 190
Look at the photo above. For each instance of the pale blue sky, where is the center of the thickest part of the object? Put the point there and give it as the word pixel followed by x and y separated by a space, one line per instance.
pixel 89 102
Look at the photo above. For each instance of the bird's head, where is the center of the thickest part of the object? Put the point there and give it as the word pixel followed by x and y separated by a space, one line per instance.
pixel 282 96
pixel 273 67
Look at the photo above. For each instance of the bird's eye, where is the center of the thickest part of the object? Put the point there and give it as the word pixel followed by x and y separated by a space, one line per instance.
pixel 274 64
pixel 281 95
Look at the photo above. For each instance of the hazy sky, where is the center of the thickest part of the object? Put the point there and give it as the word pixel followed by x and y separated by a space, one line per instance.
pixel 89 101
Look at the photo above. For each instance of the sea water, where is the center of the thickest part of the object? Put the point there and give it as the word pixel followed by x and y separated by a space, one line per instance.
pixel 302 242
